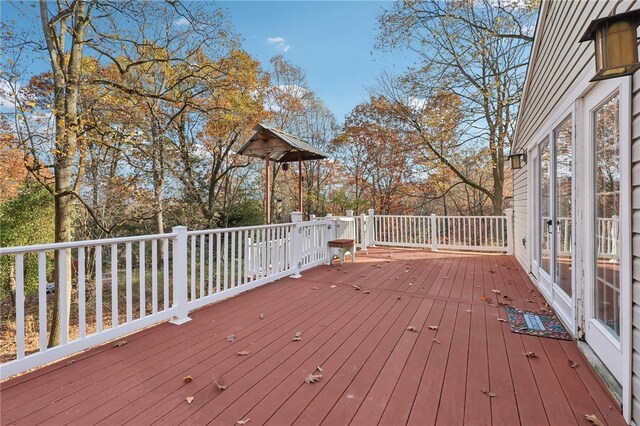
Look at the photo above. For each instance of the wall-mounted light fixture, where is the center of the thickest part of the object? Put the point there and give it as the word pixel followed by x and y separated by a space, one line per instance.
pixel 616 44
pixel 518 159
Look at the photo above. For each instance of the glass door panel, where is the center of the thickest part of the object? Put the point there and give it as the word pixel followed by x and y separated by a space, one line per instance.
pixel 563 138
pixel 546 225
pixel 607 213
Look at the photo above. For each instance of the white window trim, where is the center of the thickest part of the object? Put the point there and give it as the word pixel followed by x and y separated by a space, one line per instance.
pixel 574 105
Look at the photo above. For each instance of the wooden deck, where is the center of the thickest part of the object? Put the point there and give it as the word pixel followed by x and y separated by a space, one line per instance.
pixel 374 371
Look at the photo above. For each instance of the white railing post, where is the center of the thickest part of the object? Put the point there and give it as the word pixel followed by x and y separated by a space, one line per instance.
pixel 371 228
pixel 350 213
pixel 328 237
pixel 296 244
pixel 509 214
pixel 363 232
pixel 180 275
pixel 433 230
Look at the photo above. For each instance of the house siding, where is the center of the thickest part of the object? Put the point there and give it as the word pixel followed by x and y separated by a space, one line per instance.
pixel 558 64
pixel 635 242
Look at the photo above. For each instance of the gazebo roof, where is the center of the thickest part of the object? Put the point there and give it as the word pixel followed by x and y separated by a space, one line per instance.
pixel 281 146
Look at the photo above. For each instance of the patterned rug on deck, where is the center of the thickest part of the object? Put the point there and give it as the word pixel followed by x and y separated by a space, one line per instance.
pixel 536 324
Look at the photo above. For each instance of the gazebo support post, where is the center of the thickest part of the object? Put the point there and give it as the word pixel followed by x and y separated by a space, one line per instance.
pixel 299 184
pixel 267 189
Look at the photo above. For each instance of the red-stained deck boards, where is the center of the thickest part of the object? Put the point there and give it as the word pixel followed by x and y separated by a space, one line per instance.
pixel 354 325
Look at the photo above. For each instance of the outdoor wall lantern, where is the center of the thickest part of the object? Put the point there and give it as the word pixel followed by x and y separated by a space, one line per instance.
pixel 615 43
pixel 518 159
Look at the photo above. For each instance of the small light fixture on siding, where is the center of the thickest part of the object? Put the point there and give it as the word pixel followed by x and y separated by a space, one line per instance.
pixel 615 43
pixel 518 159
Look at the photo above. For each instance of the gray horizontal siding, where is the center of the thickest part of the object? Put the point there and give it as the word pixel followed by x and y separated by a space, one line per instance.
pixel 635 242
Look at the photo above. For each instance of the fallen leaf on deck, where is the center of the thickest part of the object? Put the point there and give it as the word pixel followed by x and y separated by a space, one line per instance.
pixel 505 297
pixel 398 298
pixel 488 393
pixel 412 328
pixel 594 419
pixel 312 378
pixel 298 336
pixel 319 369
pixel 70 362
pixel 468 310
pixel 530 355
pixel 333 286
pixel 231 338
pixel 261 316
pixel 120 343
pixel 314 288
pixel 410 283
pixel 493 304
pixel 504 303
pixel 187 379
pixel 530 301
pixel 376 265
pixel 492 271
pixel 446 278
pixel 367 292
pixel 433 327
pixel 243 422
pixel 437 341
pixel 502 320
pixel 479 286
pixel 494 291
pixel 573 364
pixel 406 270
pixel 484 298
pixel 357 287
pixel 219 382
pixel 189 399
pixel 244 352
pixel 362 276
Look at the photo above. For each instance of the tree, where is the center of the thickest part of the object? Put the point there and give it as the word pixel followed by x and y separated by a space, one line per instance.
pixel 129 35
pixel 476 51
pixel 378 152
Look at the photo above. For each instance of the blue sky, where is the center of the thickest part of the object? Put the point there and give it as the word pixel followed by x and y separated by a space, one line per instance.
pixel 332 41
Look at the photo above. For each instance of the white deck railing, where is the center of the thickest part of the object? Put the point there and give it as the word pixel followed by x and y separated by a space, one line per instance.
pixel 475 233
pixel 121 285
pixel 152 278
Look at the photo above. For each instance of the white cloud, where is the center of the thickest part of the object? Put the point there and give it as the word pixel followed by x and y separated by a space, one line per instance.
pixel 274 40
pixel 280 43
pixel 181 22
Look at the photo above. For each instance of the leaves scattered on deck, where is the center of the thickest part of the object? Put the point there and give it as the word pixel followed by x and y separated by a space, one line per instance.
pixel 231 338
pixel 244 352
pixel 312 378
pixel 488 393
pixel 219 382
pixel 594 419
pixel 187 379
pixel 298 336
pixel 120 343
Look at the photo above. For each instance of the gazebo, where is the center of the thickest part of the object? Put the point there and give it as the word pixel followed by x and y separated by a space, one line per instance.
pixel 273 144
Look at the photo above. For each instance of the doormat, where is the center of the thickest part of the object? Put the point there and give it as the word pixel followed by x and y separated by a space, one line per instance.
pixel 536 324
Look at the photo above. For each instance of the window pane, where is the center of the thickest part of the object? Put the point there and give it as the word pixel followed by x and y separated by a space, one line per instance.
pixel 607 213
